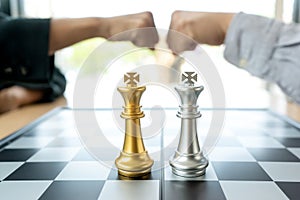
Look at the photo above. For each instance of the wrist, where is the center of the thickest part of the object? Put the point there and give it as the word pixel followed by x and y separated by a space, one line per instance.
pixel 102 27
pixel 225 20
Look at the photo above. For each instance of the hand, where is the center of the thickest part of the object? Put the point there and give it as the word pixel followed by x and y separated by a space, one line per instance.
pixel 204 28
pixel 132 28
pixel 16 96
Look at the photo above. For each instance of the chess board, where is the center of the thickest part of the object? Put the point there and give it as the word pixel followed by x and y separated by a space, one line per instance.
pixel 257 156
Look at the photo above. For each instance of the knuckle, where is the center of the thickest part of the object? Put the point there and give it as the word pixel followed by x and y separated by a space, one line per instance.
pixel 176 14
pixel 179 22
pixel 147 14
pixel 147 19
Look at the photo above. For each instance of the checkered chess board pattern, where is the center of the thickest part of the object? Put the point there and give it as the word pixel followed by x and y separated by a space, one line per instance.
pixel 257 156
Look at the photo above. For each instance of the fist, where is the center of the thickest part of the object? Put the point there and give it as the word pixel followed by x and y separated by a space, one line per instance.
pixel 197 27
pixel 138 28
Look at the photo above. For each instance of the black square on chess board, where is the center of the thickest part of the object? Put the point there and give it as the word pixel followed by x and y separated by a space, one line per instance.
pixel 37 171
pixel 273 155
pixel 248 171
pixel 257 157
pixel 73 190
pixel 13 155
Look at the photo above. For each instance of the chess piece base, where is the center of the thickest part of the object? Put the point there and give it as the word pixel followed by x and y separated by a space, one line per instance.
pixel 135 174
pixel 134 164
pixel 127 178
pixel 188 173
pixel 188 165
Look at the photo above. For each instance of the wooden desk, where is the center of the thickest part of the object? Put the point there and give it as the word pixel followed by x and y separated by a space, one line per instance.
pixel 12 121
pixel 286 108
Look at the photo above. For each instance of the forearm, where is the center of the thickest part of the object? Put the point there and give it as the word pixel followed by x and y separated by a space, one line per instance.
pixel 65 32
pixel 266 48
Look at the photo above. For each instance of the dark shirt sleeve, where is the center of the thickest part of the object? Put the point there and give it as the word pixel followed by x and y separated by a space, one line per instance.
pixel 24 59
pixel 24 50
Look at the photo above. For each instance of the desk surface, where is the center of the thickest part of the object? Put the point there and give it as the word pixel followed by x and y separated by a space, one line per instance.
pixel 13 121
pixel 256 157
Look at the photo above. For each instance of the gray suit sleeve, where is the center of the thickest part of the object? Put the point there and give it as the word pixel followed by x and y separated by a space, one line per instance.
pixel 266 48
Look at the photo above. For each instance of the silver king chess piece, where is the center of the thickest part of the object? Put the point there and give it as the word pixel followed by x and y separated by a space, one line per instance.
pixel 188 160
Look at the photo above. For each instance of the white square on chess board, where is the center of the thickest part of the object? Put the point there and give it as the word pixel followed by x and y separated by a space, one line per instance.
pixel 249 190
pixel 133 190
pixel 93 170
pixel 55 154
pixel 291 172
pixel 30 142
pixel 8 167
pixel 16 190
pixel 295 151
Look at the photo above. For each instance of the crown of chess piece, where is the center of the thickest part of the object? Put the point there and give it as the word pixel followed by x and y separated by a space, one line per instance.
pixel 188 160
pixel 134 160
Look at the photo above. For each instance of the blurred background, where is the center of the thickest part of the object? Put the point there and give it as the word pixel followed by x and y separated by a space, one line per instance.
pixel 241 89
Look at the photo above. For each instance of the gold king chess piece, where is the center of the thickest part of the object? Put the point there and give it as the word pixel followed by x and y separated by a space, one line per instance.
pixel 134 160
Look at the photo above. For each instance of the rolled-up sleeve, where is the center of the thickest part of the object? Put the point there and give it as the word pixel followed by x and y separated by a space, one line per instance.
pixel 266 48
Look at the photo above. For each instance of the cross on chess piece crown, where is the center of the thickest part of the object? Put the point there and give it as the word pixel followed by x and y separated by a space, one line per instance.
pixel 189 77
pixel 131 78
